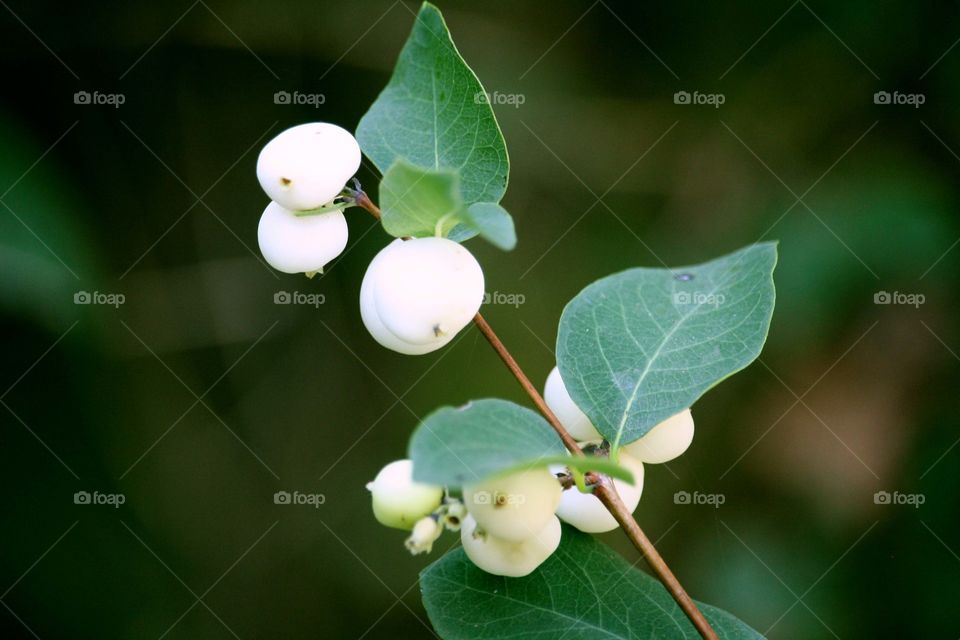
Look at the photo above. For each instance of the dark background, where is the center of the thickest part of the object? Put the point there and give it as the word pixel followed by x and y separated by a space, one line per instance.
pixel 198 398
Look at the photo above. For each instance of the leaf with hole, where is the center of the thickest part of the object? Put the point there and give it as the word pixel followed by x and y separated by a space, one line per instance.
pixel 639 346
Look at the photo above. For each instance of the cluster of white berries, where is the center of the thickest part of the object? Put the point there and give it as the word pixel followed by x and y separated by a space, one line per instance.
pixel 510 524
pixel 663 443
pixel 417 293
pixel 302 169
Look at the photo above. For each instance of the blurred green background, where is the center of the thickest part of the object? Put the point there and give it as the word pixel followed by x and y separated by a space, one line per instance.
pixel 198 398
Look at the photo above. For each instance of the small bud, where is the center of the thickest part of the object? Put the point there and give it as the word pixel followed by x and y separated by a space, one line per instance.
pixel 425 533
pixel 453 518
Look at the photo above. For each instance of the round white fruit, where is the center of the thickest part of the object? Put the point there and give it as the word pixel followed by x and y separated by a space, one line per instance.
pixel 665 441
pixel 428 288
pixel 300 244
pixel 505 557
pixel 585 511
pixel 398 501
pixel 515 506
pixel 569 414
pixel 307 166
pixel 418 294
pixel 371 317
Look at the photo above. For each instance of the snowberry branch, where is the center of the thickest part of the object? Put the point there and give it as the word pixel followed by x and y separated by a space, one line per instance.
pixel 603 488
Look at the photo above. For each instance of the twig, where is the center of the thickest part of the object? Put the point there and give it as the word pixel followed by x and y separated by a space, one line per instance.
pixel 603 487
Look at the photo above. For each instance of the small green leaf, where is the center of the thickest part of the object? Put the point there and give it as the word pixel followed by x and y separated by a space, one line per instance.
pixel 584 591
pixel 636 347
pixel 432 114
pixel 413 201
pixel 462 232
pixel 421 202
pixel 493 223
pixel 458 445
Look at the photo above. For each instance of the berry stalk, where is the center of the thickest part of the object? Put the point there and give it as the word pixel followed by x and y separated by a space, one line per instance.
pixel 602 486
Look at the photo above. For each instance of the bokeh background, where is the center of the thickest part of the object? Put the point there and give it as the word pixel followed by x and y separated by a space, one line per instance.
pixel 198 398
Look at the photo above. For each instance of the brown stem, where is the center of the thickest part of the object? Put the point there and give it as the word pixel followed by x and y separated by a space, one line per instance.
pixel 603 487
pixel 604 490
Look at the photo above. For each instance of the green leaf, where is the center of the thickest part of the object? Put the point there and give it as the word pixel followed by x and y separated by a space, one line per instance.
pixel 462 232
pixel 493 223
pixel 458 445
pixel 431 114
pixel 414 201
pixel 639 346
pixel 422 202
pixel 584 591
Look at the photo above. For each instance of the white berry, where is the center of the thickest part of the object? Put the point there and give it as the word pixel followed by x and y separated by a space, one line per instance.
pixel 418 294
pixel 514 506
pixel 398 501
pixel 300 244
pixel 307 166
pixel 587 513
pixel 505 557
pixel 371 317
pixel 665 441
pixel 570 416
